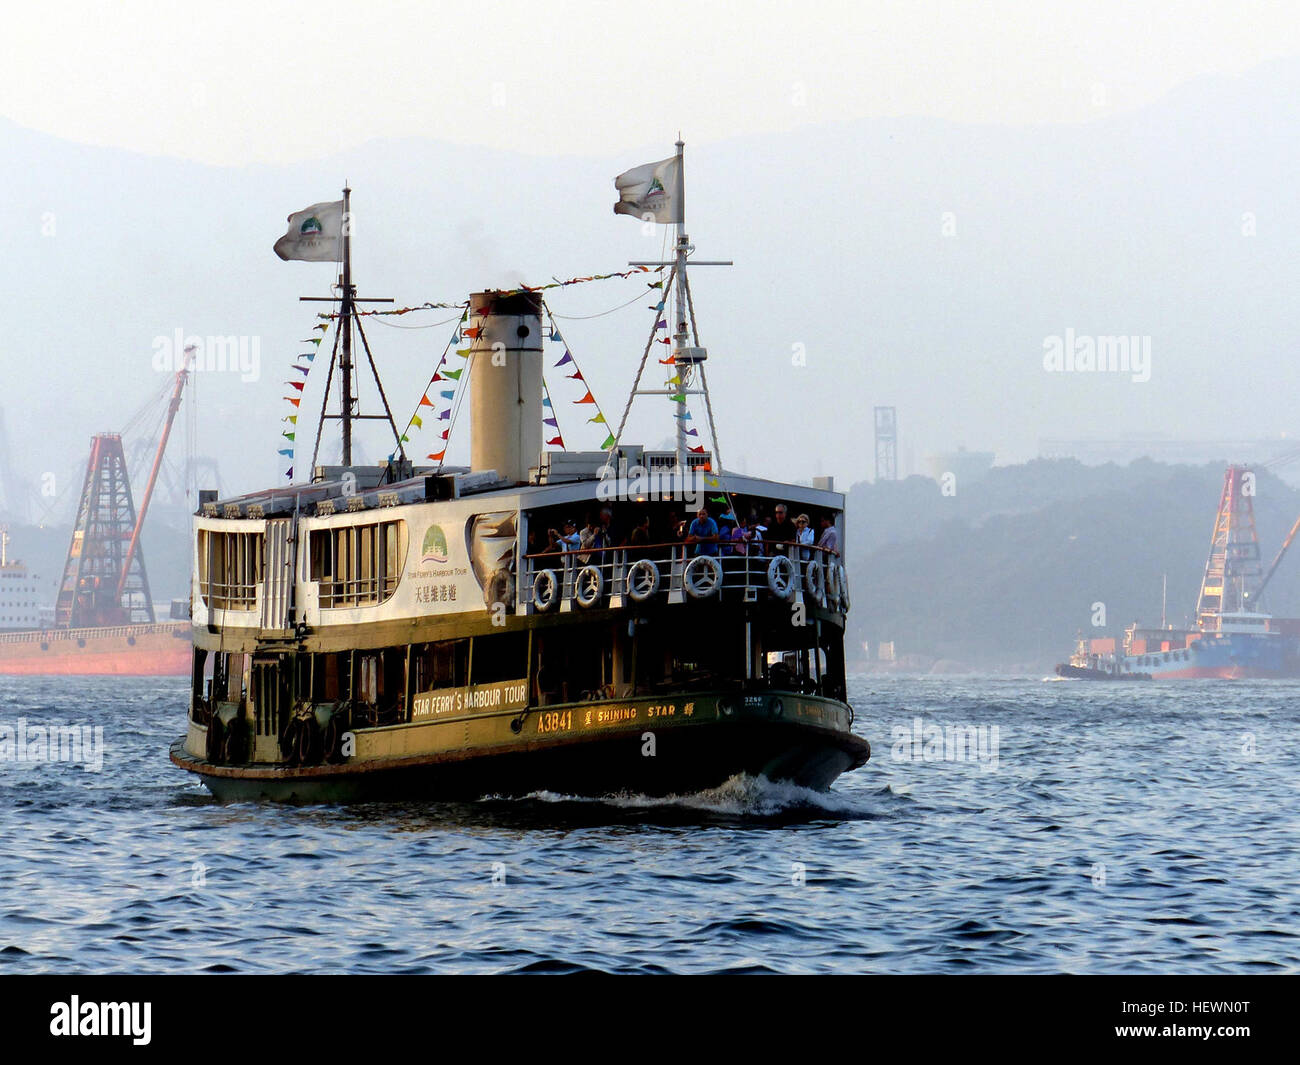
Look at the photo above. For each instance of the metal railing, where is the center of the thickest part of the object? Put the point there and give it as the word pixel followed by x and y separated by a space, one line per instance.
pixel 587 578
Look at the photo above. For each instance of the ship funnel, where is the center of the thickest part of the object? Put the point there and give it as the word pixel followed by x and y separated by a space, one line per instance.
pixel 505 382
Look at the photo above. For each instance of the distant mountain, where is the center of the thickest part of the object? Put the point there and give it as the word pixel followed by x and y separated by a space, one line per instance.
pixel 905 261
pixel 1002 575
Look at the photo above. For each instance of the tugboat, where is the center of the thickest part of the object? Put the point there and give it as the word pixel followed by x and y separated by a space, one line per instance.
pixel 442 632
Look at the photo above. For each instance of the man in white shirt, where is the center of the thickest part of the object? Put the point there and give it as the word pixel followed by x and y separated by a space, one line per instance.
pixel 830 539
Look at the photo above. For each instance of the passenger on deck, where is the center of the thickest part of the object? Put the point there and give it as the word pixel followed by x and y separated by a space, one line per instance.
pixel 830 538
pixel 571 538
pixel 741 536
pixel 781 532
pixel 703 533
pixel 804 535
pixel 639 542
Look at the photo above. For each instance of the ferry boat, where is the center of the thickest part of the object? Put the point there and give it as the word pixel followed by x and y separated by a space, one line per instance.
pixel 399 631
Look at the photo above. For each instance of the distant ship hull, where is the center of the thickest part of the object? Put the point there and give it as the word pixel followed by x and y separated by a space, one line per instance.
pixel 161 650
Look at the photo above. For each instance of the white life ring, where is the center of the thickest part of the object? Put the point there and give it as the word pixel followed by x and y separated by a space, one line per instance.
pixel 588 586
pixel 844 589
pixel 642 580
pixel 546 590
pixel 814 581
pixel 780 576
pixel 702 577
pixel 500 588
pixel 832 583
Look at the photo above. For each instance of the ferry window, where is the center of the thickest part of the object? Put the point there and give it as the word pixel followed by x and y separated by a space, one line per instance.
pixel 358 565
pixel 503 656
pixel 230 568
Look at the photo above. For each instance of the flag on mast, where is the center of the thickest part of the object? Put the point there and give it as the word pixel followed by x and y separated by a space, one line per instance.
pixel 651 192
pixel 315 235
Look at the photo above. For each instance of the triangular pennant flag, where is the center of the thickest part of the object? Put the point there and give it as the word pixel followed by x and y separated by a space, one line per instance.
pixel 665 340
pixel 697 450
pixel 286 451
pixel 568 357
pixel 304 370
pixel 296 384
pixel 454 374
pixel 670 361
pixel 445 433
pixel 546 401
pixel 456 339
pixel 405 440
pixel 415 420
pixel 289 473
pixel 551 422
pixel 557 442
pixel 692 432
pixel 290 418
pixel 712 482
pixel 609 443
pixel 588 398
pixel 661 324
pixel 312 340
pixel 678 399
pixel 438 456
pixel 464 352
pixel 674 380
pixel 575 376
pixel 658 306
pixel 718 499
pixel 310 356
pixel 555 336
pixel 472 332
pixel 654 284
pixel 289 435
pixel 425 401
pixel 448 394
pixel 295 400
pixel 323 327
pixel 599 418
pixel 436 377
pixel 444 416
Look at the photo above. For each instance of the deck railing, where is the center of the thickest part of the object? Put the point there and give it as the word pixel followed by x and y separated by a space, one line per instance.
pixel 590 577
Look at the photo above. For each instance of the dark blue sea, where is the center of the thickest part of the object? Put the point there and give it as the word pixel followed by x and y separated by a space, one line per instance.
pixel 1138 828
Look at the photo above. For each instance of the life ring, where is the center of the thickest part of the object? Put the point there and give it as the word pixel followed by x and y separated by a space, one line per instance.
pixel 588 586
pixel 501 588
pixel 833 583
pixel 702 577
pixel 814 579
pixel 546 590
pixel 780 576
pixel 642 580
pixel 844 588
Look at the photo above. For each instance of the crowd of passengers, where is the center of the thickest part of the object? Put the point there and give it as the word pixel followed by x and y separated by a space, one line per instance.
pixel 754 533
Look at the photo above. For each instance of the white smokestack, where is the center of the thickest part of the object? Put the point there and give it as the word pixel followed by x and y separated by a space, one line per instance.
pixel 506 382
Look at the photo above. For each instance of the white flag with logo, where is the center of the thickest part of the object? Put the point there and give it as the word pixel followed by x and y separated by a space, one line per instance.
pixel 315 235
pixel 651 192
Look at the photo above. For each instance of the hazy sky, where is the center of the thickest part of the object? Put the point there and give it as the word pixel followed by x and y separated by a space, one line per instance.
pixel 263 82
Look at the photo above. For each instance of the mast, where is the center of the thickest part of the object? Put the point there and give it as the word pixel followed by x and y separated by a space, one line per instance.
pixel 172 407
pixel 349 318
pixel 679 339
pixel 347 400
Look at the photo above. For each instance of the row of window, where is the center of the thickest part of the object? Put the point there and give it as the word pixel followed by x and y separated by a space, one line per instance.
pixel 355 565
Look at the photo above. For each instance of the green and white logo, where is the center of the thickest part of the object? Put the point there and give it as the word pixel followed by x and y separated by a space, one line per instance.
pixel 311 227
pixel 434 548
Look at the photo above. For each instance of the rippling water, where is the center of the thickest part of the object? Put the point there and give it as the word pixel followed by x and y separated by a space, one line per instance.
pixel 1139 828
